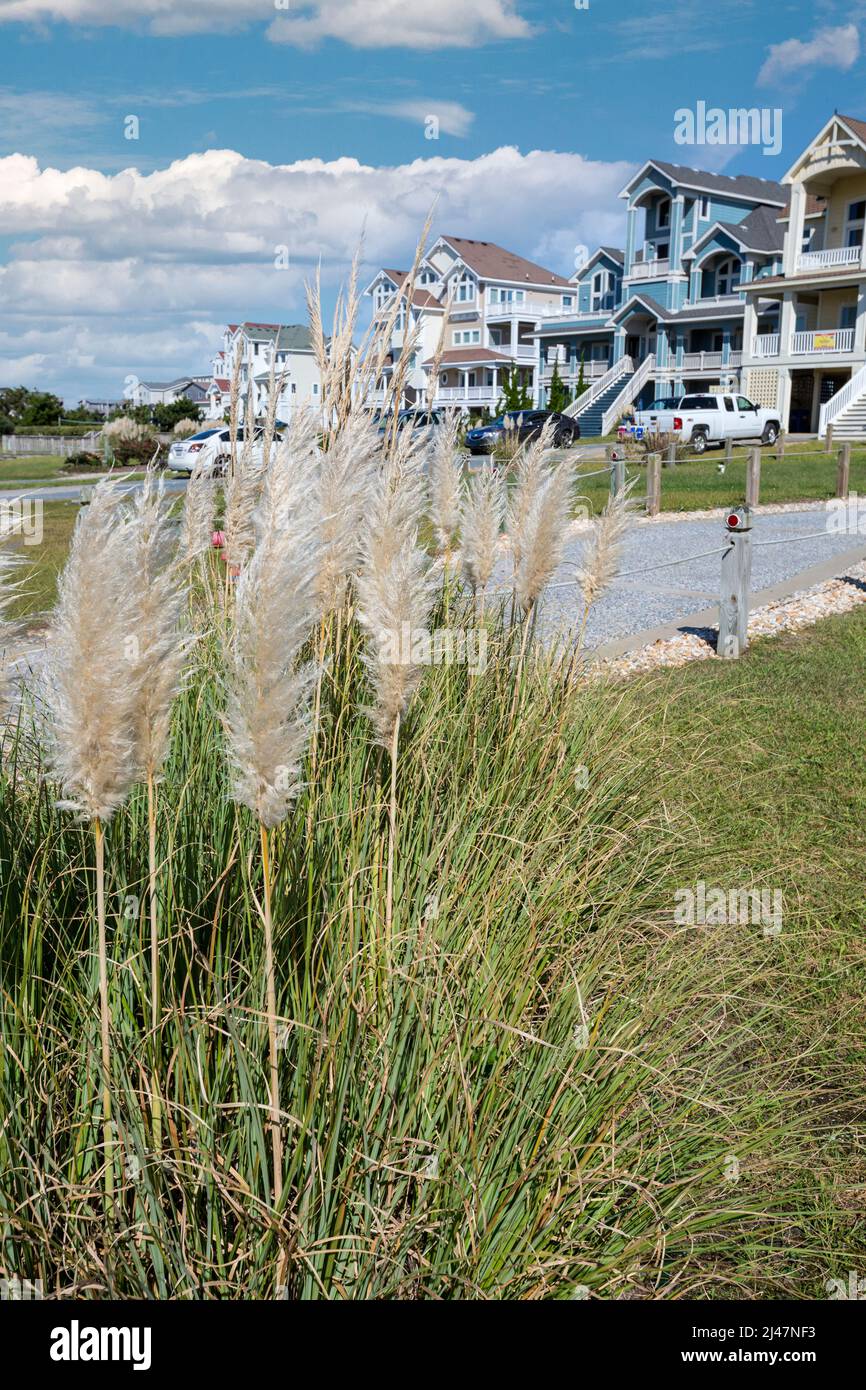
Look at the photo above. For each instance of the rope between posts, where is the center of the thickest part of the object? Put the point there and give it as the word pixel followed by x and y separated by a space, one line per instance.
pixel 666 564
pixel 789 540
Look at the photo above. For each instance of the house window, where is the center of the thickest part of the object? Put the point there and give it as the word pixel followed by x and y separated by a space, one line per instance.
pixel 465 337
pixel 443 378
pixel 663 251
pixel 465 290
pixel 470 379
pixel 728 276
pixel 567 301
pixel 602 290
pixel 704 209
pixel 854 224
pixel 663 214
pixel 500 296
pixel 315 388
pixel 848 316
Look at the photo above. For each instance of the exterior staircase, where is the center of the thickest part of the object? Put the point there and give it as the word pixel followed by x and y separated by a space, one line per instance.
pixel 846 411
pixel 592 418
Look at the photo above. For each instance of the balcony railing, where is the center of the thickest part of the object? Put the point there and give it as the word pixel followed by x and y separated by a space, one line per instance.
pixel 445 394
pixel 591 371
pixel 710 361
pixel 649 270
pixel 823 340
pixel 766 345
pixel 831 259
pixel 529 309
pixel 523 352
pixel 819 341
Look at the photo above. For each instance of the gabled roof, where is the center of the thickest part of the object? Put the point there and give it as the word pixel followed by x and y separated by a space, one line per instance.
pixel 760 231
pixel 465 357
pixel 421 299
pixel 612 252
pixel 745 186
pixel 492 262
pixel 856 129
pixel 289 337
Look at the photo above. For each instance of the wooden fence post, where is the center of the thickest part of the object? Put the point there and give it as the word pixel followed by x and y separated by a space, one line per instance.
pixel 843 471
pixel 780 443
pixel 653 484
pixel 828 443
pixel 729 449
pixel 671 460
pixel 734 596
pixel 753 478
pixel 617 477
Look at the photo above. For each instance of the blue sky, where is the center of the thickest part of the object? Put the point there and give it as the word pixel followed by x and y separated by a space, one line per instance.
pixel 542 110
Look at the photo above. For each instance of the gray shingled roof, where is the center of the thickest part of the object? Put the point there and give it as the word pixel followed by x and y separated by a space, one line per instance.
pixel 744 185
pixel 614 253
pixel 760 231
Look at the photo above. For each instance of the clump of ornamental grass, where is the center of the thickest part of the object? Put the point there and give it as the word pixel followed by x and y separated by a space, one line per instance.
pixel 199 506
pixel 242 492
pixel 92 699
pixel 445 472
pixel 164 649
pixel 268 687
pixel 481 520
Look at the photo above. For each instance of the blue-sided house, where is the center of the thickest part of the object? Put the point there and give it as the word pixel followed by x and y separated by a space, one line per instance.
pixel 665 316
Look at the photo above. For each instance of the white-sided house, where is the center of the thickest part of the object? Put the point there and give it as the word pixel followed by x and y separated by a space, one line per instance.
pixel 286 347
pixel 813 369
pixel 496 298
pixel 191 388
pixel 424 312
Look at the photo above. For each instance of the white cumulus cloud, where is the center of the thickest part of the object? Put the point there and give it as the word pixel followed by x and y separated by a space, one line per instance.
pixel 133 270
pixel 362 23
pixel 828 48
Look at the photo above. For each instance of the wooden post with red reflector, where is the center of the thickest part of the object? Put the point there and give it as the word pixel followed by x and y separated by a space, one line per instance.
pixel 736 580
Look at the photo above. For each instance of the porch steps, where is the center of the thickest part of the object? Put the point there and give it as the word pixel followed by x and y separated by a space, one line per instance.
pixel 851 423
pixel 590 420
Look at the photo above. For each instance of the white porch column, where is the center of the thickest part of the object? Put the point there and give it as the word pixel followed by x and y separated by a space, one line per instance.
pixel 860 324
pixel 796 224
pixel 630 238
pixel 750 326
pixel 787 324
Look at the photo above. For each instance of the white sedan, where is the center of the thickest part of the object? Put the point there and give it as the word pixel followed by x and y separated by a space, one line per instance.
pixel 210 450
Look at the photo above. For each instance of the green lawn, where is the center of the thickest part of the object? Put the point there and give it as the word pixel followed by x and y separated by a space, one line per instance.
pixel 43 562
pixel 696 482
pixel 768 760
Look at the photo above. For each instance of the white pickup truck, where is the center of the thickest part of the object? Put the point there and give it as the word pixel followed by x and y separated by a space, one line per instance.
pixel 702 420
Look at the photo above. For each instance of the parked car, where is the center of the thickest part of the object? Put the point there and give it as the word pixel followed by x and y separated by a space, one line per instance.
pixel 522 426
pixel 705 419
pixel 210 450
pixel 414 418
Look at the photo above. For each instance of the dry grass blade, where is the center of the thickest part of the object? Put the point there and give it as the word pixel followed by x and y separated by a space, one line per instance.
pixel 346 472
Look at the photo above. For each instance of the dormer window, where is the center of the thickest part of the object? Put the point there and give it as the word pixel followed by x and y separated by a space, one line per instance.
pixel 465 290
pixel 602 290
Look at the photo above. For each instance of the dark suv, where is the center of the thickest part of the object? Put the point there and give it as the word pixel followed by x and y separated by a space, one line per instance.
pixel 522 426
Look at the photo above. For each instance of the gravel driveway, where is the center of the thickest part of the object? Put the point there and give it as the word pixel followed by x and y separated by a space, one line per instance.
pixel 647 600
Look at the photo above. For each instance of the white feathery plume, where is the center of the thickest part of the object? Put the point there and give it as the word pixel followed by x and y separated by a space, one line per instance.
pixel 603 551
pixel 445 472
pixel 242 493
pixel 163 644
pixel 345 479
pixel 395 590
pixel 92 686
pixel 267 705
pixel 483 514
pixel 529 473
pixel 199 506
pixel 539 540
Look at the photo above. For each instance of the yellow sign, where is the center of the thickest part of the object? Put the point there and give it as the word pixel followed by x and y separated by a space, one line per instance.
pixel 824 340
